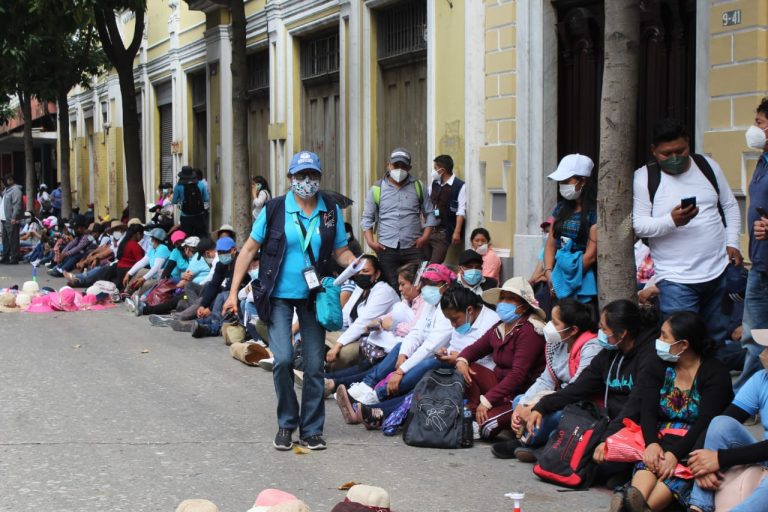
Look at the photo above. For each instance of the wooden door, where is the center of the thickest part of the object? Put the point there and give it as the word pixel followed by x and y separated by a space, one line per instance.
pixel 258 139
pixel 320 128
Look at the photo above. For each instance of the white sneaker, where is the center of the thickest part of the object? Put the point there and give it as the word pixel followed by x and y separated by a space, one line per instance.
pixel 363 393
pixel 267 364
pixel 476 431
pixel 36 262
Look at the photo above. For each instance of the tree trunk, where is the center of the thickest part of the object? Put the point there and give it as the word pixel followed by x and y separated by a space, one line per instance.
pixel 618 119
pixel 64 147
pixel 131 143
pixel 241 196
pixel 25 100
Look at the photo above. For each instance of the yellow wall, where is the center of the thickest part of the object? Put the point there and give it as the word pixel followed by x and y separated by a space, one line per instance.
pixel 254 6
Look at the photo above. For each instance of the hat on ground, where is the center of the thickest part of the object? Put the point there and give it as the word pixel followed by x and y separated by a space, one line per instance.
pixel 197 506
pixel 548 222
pixel 438 273
pixel 8 303
pixel 225 227
pixel 401 155
pixel 66 300
pixel 520 287
pixel 186 173
pixel 191 241
pixel 135 222
pixel 115 224
pixel 269 498
pixel 158 234
pixel 23 300
pixel 290 506
pixel 30 288
pixel 178 236
pixel 469 256
pixel 304 160
pixel 572 165
pixel 224 244
pixel 368 497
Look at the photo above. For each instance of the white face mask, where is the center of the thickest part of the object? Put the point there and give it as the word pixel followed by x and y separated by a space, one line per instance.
pixel 551 334
pixel 435 175
pixel 482 250
pixel 756 137
pixel 398 175
pixel 117 236
pixel 569 192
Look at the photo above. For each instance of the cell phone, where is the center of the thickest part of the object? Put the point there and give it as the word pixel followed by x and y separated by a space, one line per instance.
pixel 761 211
pixel 688 201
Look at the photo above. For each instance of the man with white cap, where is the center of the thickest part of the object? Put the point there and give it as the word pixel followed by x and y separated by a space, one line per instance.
pixel 685 208
pixel 397 204
pixel 574 228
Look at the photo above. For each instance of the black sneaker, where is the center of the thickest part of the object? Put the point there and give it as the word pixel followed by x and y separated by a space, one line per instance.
pixel 200 330
pixel 505 449
pixel 179 325
pixel 315 442
pixel 525 454
pixel 283 440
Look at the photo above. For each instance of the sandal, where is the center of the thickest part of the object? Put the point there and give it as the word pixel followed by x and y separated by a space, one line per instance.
pixel 373 417
pixel 345 405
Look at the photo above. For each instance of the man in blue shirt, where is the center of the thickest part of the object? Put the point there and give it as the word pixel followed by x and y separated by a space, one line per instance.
pixel 191 195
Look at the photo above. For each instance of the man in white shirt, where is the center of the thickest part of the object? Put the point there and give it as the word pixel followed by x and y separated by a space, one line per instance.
pixel 692 226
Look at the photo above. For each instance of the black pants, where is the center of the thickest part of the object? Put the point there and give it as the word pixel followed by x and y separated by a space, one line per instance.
pixel 194 225
pixel 10 241
pixel 393 259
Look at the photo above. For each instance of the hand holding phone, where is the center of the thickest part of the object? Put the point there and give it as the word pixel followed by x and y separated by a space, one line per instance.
pixel 688 201
pixel 762 211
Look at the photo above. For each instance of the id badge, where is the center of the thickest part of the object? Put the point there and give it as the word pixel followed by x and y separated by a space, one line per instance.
pixel 310 276
pixel 437 212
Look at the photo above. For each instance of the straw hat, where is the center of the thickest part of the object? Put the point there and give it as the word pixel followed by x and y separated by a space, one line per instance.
pixel 520 287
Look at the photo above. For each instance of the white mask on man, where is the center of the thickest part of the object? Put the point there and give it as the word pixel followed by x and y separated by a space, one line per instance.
pixel 398 175
pixel 756 138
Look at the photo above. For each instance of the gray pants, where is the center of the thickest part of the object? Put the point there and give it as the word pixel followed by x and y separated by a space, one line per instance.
pixel 10 241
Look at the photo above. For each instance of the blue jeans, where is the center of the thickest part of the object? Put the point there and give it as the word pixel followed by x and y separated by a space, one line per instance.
pixel 370 376
pixel 548 425
pixel 413 377
pixel 311 417
pixel 725 432
pixel 214 320
pixel 706 299
pixel 69 262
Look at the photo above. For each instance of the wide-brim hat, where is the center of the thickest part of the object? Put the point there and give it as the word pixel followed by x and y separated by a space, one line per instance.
pixel 66 300
pixel 116 224
pixel 269 499
pixel 186 173
pixel 8 303
pixel 520 287
pixel 30 288
pixel 364 498
pixel 572 165
pixel 197 505
pixel 135 222
pixel 225 227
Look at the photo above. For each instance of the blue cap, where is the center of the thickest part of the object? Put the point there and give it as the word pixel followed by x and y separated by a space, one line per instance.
pixel 304 160
pixel 224 244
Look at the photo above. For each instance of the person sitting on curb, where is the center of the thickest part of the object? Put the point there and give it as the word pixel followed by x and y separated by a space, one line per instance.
pixel 216 292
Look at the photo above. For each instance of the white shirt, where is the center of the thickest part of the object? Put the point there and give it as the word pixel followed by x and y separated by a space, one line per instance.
pixel 431 333
pixel 694 253
pixel 482 324
pixel 2 210
pixel 380 300
pixel 461 211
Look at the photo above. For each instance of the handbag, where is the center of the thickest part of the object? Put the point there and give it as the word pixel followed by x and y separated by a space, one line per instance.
pixel 163 291
pixel 327 298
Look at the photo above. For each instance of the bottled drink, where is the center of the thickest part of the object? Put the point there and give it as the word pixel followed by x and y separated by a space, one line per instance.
pixel 467 435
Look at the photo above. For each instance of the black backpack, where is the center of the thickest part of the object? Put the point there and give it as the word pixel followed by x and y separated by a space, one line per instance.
pixel 435 417
pixel 193 199
pixel 567 458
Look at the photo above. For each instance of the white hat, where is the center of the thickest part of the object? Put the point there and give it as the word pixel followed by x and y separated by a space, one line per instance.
pixel 30 288
pixel 191 241
pixel 572 165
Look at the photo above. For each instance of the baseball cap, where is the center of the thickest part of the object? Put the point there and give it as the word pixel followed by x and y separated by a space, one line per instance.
pixel 400 155
pixel 304 160
pixel 177 236
pixel 192 242
pixel 572 165
pixel 158 234
pixel 224 244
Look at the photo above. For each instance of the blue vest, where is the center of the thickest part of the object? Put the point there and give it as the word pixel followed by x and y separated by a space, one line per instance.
pixel 273 251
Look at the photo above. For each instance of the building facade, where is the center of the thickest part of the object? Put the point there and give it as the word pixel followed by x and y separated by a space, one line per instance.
pixel 506 87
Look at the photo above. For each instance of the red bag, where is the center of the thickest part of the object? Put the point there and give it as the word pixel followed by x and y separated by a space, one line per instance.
pixel 628 445
pixel 163 292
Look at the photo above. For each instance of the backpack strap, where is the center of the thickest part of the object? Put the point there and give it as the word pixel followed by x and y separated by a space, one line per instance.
pixel 377 191
pixel 703 164
pixel 654 178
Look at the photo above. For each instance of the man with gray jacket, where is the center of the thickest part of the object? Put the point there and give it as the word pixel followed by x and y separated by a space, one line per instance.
pixel 13 213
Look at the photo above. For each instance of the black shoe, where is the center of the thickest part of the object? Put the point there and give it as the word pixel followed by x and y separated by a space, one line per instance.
pixel 181 325
pixel 54 272
pixel 525 454
pixel 199 330
pixel 505 449
pixel 634 501
pixel 283 440
pixel 617 502
pixel 315 442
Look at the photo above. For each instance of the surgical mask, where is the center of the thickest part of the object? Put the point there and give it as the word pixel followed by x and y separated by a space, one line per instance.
pixel 254 274
pixel 306 188
pixel 208 260
pixel 91 239
pixel 431 295
pixel 662 350
pixel 569 192
pixel 464 328
pixel 435 175
pixel 398 175
pixel 482 250
pixel 507 312
pixel 756 137
pixel 602 339
pixel 674 165
pixel 226 259
pixel 258 187
pixel 473 276
pixel 551 334
pixel 117 236
pixel 364 281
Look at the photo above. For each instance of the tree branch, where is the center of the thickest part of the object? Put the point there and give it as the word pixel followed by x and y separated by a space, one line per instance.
pixel 138 32
pixel 104 36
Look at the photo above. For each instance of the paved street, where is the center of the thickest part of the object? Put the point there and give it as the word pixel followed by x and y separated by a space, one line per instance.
pixel 90 422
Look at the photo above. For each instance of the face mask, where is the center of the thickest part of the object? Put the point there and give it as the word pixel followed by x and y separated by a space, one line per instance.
pixel 91 239
pixel 473 276
pixel 363 281
pixel 431 295
pixel 507 312
pixel 482 250
pixel 398 175
pixel 258 187
pixel 569 192
pixel 662 350
pixel 306 187
pixel 674 165
pixel 755 137
pixel 208 260
pixel 464 328
pixel 551 334
pixel 602 339
pixel 226 259
pixel 117 236
pixel 254 274
pixel 435 175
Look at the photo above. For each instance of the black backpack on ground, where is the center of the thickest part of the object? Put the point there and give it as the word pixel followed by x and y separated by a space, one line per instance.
pixel 567 458
pixel 435 417
pixel 193 199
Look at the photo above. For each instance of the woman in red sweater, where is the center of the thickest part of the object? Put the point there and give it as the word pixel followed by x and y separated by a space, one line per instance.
pixel 128 253
pixel 516 345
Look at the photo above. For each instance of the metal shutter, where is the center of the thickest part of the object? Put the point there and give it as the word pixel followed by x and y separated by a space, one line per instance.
pixel 166 136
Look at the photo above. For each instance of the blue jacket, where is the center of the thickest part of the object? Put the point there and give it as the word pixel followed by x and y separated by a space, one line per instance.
pixel 568 280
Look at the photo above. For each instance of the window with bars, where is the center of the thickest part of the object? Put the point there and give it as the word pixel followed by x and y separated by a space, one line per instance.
pixel 320 56
pixel 403 30
pixel 258 72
